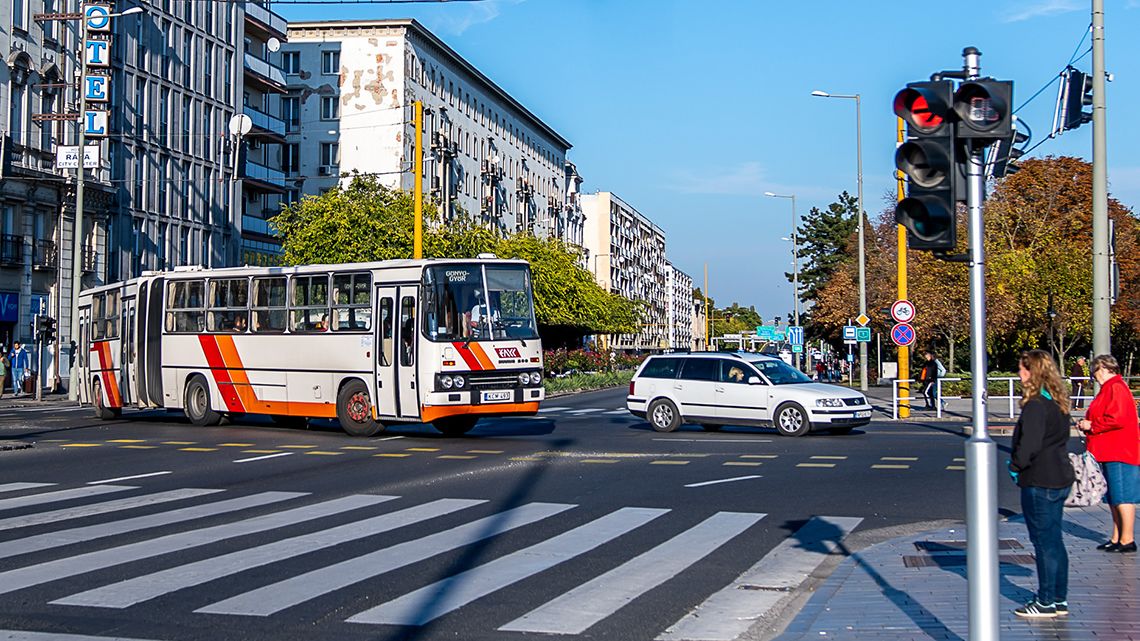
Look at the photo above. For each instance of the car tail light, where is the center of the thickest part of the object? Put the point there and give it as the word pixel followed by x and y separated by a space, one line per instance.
pixel 631 388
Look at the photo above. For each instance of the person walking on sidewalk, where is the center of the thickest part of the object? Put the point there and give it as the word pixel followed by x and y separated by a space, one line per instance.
pixel 1113 435
pixel 1077 374
pixel 19 361
pixel 928 380
pixel 1040 467
pixel 3 368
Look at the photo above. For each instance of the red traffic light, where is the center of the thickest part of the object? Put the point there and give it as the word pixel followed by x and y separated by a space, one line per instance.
pixel 925 106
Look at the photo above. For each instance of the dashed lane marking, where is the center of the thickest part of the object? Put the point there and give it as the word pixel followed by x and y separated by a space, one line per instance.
pixel 260 451
pixel 362 448
pixel 392 455
pixel 669 462
pixel 728 480
pixel 423 449
pixel 298 447
pixel 898 458
pixel 128 478
pixel 82 445
pixel 138 447
pixel 457 457
pixel 815 465
pixel 715 440
pixel 484 451
pixel 743 463
pixel 197 449
pixel 890 467
pixel 179 442
pixel 235 444
pixel 767 456
pixel 829 458
pixel 600 460
pixel 956 467
pixel 262 458
pixel 323 453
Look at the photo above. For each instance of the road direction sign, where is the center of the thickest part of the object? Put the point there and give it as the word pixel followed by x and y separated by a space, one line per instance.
pixel 796 349
pixel 863 334
pixel 849 332
pixel 770 332
pixel 903 311
pixel 863 319
pixel 796 335
pixel 902 334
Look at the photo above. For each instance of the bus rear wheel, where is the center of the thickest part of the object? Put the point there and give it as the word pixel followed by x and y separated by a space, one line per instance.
pixel 198 408
pixel 455 425
pixel 354 410
pixel 102 412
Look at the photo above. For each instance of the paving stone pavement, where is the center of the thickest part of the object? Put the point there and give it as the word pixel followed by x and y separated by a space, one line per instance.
pixel 874 595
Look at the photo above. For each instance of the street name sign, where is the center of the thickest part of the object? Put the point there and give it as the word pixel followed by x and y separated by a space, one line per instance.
pixel 903 311
pixel 902 334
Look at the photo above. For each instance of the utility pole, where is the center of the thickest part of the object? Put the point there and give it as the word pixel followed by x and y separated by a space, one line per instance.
pixel 708 312
pixel 904 350
pixel 862 251
pixel 418 188
pixel 1102 294
pixel 77 229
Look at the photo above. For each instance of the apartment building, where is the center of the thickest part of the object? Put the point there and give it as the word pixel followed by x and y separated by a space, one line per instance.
pixel 627 256
pixel 349 108
pixel 679 307
pixel 700 326
pixel 170 79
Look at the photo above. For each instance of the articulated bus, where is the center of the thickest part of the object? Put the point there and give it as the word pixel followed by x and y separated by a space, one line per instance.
pixel 445 342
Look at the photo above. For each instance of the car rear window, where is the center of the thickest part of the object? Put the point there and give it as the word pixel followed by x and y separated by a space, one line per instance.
pixel 661 368
pixel 701 369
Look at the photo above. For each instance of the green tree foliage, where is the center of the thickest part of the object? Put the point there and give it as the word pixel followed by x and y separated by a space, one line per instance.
pixel 367 221
pixel 824 239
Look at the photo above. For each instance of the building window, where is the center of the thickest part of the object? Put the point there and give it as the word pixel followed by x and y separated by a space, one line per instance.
pixel 140 45
pixel 330 63
pixel 164 115
pixel 185 142
pixel 291 113
pixel 227 73
pixel 16 119
pixel 160 258
pixel 291 158
pixel 19 14
pixel 187 55
pixel 291 62
pixel 208 66
pixel 330 155
pixel 184 246
pixel 330 108
pixel 48 25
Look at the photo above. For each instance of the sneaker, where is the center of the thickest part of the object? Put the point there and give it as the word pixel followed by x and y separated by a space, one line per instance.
pixel 1035 610
pixel 1062 608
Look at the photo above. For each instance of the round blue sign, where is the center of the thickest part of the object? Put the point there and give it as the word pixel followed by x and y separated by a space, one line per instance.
pixel 902 334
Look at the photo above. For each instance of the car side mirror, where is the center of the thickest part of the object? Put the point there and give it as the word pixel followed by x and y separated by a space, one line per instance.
pixel 755 380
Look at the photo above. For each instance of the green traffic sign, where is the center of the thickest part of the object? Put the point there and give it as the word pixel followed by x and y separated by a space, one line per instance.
pixel 863 334
pixel 796 349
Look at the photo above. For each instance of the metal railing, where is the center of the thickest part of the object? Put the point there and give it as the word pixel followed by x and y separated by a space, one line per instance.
pixel 264 69
pixel 1011 398
pixel 11 249
pixel 264 174
pixel 264 121
pixel 255 11
pixel 44 254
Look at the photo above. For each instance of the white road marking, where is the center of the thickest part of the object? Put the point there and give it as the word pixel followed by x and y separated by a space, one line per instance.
pixel 387 438
pixel 715 440
pixel 552 409
pixel 128 478
pixel 731 611
pixel 262 458
pixel 588 410
pixel 577 610
pixel 61 495
pixel 622 411
pixel 15 487
pixel 425 604
pixel 22 635
pixel 730 480
pixel 100 508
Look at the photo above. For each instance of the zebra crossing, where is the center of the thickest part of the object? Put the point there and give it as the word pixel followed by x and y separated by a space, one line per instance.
pixel 77 563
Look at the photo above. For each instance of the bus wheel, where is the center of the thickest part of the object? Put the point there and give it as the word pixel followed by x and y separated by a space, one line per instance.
pixel 455 425
pixel 102 412
pixel 198 403
pixel 354 410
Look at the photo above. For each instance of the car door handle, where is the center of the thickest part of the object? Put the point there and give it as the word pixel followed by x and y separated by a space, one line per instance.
pixel 678 387
pixel 719 388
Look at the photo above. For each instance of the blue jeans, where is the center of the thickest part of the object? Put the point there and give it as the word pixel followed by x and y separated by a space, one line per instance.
pixel 1044 509
pixel 17 379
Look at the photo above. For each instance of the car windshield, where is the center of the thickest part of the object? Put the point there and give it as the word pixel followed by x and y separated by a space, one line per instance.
pixel 463 303
pixel 779 372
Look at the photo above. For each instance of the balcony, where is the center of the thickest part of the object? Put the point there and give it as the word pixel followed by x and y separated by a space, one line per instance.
pixel 269 76
pixel 11 250
pixel 90 260
pixel 262 178
pixel 266 22
pixel 44 255
pixel 265 127
pixel 255 225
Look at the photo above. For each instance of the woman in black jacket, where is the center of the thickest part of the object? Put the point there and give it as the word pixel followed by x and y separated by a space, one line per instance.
pixel 1041 468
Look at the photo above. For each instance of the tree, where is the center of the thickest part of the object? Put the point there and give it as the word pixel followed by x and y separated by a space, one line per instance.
pixel 823 239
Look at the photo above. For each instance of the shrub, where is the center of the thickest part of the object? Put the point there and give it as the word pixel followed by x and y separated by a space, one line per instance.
pixel 559 362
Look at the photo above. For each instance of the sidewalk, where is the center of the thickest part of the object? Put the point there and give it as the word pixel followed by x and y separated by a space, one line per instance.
pixel 953 409
pixel 914 588
pixel 29 400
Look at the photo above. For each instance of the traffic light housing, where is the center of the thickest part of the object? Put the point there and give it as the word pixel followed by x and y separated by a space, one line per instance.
pixel 48 329
pixel 984 110
pixel 1076 95
pixel 929 159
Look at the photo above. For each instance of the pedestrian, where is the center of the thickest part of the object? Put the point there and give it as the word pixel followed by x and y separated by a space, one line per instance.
pixel 928 380
pixel 3 369
pixel 1114 441
pixel 1077 377
pixel 1040 466
pixel 20 360
pixel 819 371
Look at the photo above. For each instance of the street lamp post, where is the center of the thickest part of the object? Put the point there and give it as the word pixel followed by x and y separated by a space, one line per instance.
pixel 795 267
pixel 862 262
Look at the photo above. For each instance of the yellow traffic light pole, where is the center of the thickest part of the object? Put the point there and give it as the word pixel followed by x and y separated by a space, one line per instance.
pixel 418 189
pixel 904 352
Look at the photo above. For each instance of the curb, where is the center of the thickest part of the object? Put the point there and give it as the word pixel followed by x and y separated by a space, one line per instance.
pixel 15 445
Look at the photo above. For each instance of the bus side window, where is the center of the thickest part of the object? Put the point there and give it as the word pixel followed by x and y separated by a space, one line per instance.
pixel 385 331
pixel 407 330
pixel 268 301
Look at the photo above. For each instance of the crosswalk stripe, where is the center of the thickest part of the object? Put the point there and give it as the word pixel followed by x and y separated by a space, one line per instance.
pixel 101 508
pixel 731 611
pixel 589 603
pixel 127 593
pixel 284 594
pixel 24 635
pixel 588 410
pixel 614 412
pixel 89 533
pixel 552 409
pixel 13 580
pixel 61 495
pixel 16 487
pixel 425 604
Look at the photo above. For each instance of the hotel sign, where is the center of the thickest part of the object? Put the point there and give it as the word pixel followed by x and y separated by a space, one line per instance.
pixel 97 57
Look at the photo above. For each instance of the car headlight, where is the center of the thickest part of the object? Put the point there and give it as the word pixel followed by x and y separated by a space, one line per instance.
pixel 446 382
pixel 535 378
pixel 524 378
pixel 828 402
pixel 458 381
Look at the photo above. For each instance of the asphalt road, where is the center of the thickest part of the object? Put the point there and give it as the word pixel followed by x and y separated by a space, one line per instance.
pixel 579 523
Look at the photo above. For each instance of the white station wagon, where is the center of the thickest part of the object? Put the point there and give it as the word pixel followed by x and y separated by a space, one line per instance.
pixel 715 389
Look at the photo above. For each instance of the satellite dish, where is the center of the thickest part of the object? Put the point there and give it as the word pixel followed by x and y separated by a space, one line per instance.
pixel 240 125
pixel 273 45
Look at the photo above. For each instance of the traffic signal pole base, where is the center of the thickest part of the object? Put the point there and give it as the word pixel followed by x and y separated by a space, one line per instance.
pixel 982 574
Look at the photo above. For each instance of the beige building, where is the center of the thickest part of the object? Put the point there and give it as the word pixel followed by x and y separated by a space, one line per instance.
pixel 679 308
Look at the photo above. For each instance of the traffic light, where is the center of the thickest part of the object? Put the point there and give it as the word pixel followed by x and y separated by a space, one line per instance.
pixel 1006 153
pixel 1076 94
pixel 48 329
pixel 984 110
pixel 929 161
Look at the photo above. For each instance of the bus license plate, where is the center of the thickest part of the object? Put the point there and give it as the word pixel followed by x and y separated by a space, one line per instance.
pixel 497 397
pixel 863 414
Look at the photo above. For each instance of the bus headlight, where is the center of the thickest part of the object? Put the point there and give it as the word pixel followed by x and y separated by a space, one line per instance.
pixel 524 378
pixel 535 378
pixel 458 381
pixel 446 382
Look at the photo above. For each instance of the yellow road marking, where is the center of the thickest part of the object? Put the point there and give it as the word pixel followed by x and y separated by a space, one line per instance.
pixel 743 463
pixel 235 444
pixel 815 465
pixel 599 460
pixel 298 447
pixel 198 449
pixel 127 440
pixel 138 447
pixel 829 458
pixel 56 440
pixel 261 451
pixel 484 451
pixel 359 447
pixel 179 442
pixel 960 460
pixel 322 453
pixel 423 449
pixel 82 445
pixel 759 456
pixel 890 467
pixel 669 462
pixel 955 467
pixel 391 455
pixel 898 458
pixel 461 457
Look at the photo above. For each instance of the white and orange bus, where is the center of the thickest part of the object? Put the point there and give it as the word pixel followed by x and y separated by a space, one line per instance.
pixel 444 342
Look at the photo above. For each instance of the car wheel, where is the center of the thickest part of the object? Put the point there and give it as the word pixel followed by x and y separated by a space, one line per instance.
pixel 663 415
pixel 354 410
pixel 708 427
pixel 455 425
pixel 841 430
pixel 198 408
pixel 792 420
pixel 102 412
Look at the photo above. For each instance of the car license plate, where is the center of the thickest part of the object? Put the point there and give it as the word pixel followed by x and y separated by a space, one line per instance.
pixel 863 414
pixel 497 397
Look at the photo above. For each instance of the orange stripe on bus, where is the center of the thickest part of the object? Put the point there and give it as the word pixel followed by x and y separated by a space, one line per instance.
pixel 436 412
pixel 484 360
pixel 231 360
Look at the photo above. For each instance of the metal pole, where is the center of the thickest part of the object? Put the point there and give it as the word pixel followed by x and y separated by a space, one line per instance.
pixel 708 312
pixel 796 278
pixel 1102 343
pixel 862 260
pixel 904 351
pixel 418 188
pixel 981 451
pixel 77 230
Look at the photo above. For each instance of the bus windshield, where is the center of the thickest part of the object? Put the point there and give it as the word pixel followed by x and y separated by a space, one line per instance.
pixel 473 302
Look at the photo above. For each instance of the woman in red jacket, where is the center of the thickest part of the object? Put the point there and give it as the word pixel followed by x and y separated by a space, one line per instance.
pixel 1114 441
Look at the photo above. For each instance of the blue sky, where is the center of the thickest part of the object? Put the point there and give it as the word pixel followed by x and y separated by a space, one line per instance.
pixel 692 110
